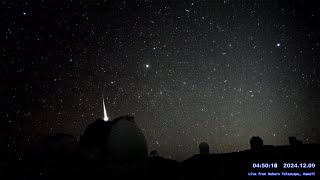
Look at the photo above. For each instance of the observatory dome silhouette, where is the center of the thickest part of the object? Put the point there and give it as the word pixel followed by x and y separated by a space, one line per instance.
pixel 120 139
pixel 256 143
pixel 126 140
pixel 204 148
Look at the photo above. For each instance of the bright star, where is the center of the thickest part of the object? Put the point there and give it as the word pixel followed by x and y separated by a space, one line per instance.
pixel 147 65
pixel 278 44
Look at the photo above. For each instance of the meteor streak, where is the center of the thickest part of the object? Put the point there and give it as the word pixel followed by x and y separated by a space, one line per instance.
pixel 105 116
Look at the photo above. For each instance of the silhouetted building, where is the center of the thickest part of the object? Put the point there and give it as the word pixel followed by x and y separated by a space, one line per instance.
pixel 204 148
pixel 293 141
pixel 256 143
pixel 154 153
pixel 126 140
pixel 119 140
pixel 95 135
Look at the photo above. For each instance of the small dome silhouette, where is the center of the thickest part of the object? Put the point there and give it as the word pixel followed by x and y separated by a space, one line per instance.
pixel 204 148
pixel 256 143
pixel 154 153
pixel 293 141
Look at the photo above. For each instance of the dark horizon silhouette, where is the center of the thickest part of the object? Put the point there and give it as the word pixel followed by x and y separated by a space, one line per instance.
pixel 117 149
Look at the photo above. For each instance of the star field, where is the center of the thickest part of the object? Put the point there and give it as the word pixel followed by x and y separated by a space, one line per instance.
pixel 188 71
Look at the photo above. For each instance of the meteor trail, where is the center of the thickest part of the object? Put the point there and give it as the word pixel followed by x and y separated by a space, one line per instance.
pixel 105 116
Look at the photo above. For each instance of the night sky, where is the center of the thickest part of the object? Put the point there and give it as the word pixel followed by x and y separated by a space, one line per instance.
pixel 188 71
